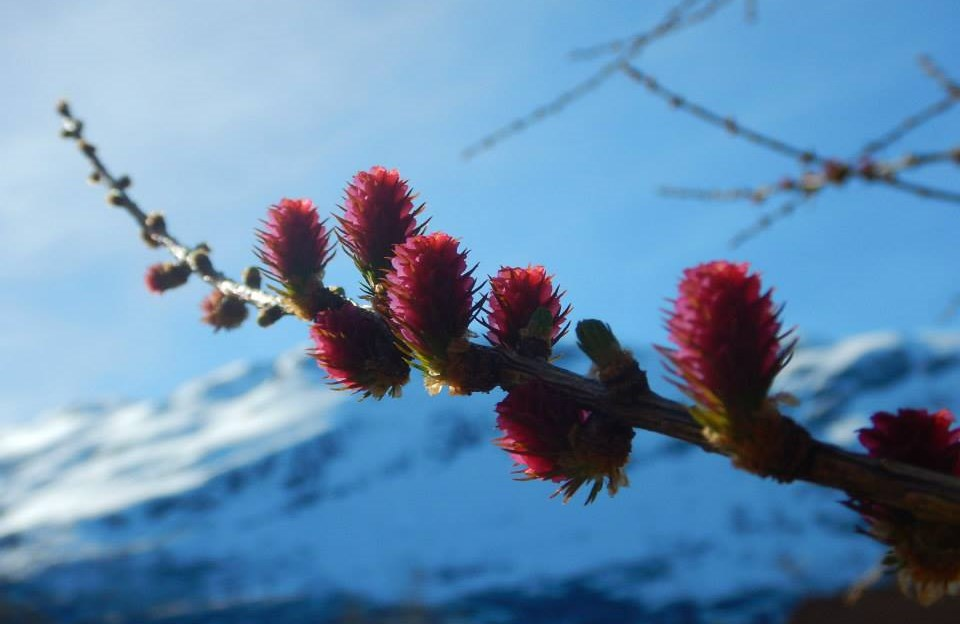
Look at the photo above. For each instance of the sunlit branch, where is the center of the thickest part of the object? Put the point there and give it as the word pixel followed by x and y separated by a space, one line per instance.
pixel 925 494
pixel 118 195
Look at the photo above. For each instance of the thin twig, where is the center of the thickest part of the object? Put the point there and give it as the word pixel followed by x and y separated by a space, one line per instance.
pixel 727 123
pixel 833 172
pixel 926 114
pixel 922 190
pixel 813 182
pixel 934 71
pixel 722 195
pixel 907 125
pixel 673 22
pixel 616 46
pixel 118 195
pixel 766 221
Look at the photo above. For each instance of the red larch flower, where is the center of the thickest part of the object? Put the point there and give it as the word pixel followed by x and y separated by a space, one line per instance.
pixel 295 247
pixel 430 296
pixel 555 440
pixel 925 554
pixel 515 296
pixel 915 436
pixel 223 311
pixel 728 341
pixel 166 275
pixel 358 351
pixel 378 213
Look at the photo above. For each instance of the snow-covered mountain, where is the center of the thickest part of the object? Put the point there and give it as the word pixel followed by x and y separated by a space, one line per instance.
pixel 259 494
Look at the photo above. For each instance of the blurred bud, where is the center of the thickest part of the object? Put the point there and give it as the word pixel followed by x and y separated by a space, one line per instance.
pixel 200 259
pixel 164 276
pixel 71 129
pixel 223 311
pixel 94 178
pixel 268 316
pixel 836 171
pixel 123 183
pixel 154 224
pixel 63 108
pixel 251 277
pixel 116 198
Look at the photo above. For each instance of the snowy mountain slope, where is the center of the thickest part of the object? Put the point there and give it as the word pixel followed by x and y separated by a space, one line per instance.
pixel 259 483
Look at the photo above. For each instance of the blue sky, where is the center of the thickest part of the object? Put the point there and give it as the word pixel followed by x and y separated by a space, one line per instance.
pixel 218 109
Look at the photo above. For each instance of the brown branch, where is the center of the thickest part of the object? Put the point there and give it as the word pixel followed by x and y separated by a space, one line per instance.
pixel 118 195
pixel 924 493
pixel 675 19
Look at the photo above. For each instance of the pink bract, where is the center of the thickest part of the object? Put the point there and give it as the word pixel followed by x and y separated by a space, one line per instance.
pixel 555 440
pixel 295 245
pixel 915 436
pixel 378 213
pixel 358 351
pixel 515 294
pixel 728 337
pixel 430 295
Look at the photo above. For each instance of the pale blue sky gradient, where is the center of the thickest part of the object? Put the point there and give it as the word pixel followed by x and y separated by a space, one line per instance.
pixel 218 109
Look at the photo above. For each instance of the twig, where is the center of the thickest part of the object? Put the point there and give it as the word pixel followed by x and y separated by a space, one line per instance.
pixel 924 493
pixel 616 46
pixel 674 21
pixel 833 172
pixel 766 221
pixel 837 172
pixel 716 119
pixel 922 190
pixel 118 195
pixel 682 192
pixel 930 68
pixel 908 125
pixel 922 116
